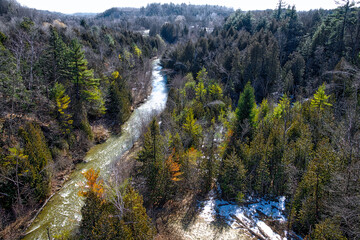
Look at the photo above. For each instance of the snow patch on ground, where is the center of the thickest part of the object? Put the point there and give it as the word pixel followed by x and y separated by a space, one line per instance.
pixel 248 214
pixel 208 212
pixel 273 209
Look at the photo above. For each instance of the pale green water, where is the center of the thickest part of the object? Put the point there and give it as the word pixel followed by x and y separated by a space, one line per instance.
pixel 63 212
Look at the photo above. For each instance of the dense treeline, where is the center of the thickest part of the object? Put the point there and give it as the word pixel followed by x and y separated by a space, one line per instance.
pixel 276 52
pixel 174 22
pixel 293 149
pixel 181 155
pixel 63 83
pixel 293 126
pixel 169 10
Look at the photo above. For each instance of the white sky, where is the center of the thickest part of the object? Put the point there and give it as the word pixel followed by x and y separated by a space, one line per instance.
pixel 97 6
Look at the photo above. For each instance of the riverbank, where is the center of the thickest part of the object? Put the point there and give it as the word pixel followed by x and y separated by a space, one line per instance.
pixel 102 129
pixel 64 209
pixel 69 160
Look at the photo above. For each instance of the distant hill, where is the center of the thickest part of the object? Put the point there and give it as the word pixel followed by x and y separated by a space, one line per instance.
pixel 162 10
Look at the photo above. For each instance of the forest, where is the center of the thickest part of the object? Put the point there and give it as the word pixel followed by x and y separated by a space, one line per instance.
pixel 263 106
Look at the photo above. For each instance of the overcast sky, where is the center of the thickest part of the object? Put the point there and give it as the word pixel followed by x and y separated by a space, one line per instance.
pixel 96 6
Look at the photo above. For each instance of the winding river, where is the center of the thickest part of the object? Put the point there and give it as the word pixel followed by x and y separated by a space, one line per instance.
pixel 63 211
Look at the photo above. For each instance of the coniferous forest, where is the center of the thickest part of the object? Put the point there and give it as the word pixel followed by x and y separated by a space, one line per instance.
pixel 259 139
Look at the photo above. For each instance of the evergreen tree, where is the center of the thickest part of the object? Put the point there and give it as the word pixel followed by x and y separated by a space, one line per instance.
pixel 293 32
pixel 327 230
pixel 192 130
pixel 39 157
pixel 200 89
pixel 62 101
pixel 153 159
pixel 311 194
pixel 280 7
pixel 86 97
pixel 136 224
pixel 232 178
pixel 188 54
pixel 55 62
pixel 246 108
pixel 12 89
pixel 320 100
pixel 119 104
pixel 168 32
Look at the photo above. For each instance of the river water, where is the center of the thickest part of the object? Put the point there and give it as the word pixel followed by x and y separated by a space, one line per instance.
pixel 63 211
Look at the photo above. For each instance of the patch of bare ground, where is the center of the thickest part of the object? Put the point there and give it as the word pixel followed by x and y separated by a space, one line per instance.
pixel 101 133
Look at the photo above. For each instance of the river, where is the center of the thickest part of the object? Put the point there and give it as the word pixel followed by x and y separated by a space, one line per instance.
pixel 63 212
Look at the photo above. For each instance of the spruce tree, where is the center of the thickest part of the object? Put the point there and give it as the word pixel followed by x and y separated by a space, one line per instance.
pixel 232 177
pixel 136 224
pixel 246 108
pixel 309 202
pixel 153 160
pixel 119 99
pixel 56 61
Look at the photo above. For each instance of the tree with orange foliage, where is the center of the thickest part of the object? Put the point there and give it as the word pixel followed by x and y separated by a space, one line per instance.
pixel 100 218
pixel 93 185
pixel 94 206
pixel 173 166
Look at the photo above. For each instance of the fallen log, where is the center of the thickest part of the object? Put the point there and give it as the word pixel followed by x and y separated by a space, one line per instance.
pixel 249 229
pixel 263 233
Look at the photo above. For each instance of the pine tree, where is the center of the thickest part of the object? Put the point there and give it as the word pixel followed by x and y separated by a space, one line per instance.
pixel 310 196
pixel 245 109
pixel 320 113
pixel 327 230
pixel 56 62
pixel 232 177
pixel 39 157
pixel 86 96
pixel 153 160
pixel 62 101
pixel 200 91
pixel 192 129
pixel 136 223
pixel 119 104
pixel 320 100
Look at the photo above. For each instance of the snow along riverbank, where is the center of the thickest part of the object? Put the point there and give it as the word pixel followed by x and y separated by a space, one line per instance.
pixel 248 216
